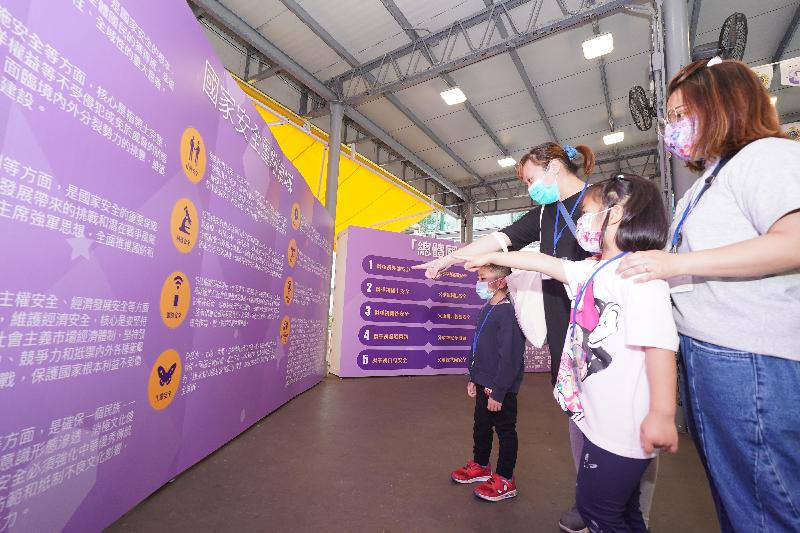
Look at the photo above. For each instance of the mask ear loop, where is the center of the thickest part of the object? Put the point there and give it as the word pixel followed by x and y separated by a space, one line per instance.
pixel 488 285
pixel 548 168
pixel 604 227
pixel 554 170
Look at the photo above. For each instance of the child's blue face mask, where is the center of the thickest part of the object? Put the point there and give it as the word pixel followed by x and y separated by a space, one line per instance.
pixel 483 290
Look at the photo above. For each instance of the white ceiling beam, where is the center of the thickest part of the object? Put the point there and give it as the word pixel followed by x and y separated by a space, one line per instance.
pixel 342 52
pixel 412 34
pixel 229 19
pixel 389 76
pixel 526 80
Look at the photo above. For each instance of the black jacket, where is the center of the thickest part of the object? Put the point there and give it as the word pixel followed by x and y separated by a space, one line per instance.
pixel 498 360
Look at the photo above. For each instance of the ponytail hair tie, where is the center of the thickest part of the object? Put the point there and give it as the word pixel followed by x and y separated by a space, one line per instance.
pixel 570 151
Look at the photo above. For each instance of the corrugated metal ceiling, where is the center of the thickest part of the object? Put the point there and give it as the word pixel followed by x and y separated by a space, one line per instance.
pixel 567 84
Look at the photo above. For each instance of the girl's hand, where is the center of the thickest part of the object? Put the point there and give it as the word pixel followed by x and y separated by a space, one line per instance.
pixel 433 269
pixel 650 265
pixel 473 263
pixel 471 390
pixel 659 431
pixel 494 406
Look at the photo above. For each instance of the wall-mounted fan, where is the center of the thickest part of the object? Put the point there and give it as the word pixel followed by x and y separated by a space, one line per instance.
pixel 731 43
pixel 641 106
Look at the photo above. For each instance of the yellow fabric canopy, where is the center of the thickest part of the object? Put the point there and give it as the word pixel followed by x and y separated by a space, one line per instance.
pixel 368 195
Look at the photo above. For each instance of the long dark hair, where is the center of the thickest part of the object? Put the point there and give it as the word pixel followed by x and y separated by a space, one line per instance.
pixel 644 224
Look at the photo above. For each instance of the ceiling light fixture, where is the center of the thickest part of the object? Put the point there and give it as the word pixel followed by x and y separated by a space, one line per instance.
pixel 614 138
pixel 598 46
pixel 507 162
pixel 453 96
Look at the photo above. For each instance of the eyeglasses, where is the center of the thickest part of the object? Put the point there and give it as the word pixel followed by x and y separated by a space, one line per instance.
pixel 673 116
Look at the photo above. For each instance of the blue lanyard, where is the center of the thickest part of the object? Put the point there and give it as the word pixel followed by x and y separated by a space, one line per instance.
pixel 677 236
pixel 578 299
pixel 557 234
pixel 480 329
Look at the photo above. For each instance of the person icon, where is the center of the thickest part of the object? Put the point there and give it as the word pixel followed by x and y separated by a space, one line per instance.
pixel 191 147
pixel 187 221
pixel 196 153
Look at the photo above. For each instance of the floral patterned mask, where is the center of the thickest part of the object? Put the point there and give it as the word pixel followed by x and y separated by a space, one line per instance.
pixel 679 138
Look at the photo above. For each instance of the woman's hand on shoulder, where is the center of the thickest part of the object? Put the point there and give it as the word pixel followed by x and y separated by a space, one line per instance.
pixel 649 265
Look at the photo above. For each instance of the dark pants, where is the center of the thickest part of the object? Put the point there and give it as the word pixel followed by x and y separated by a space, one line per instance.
pixel 608 491
pixel 504 422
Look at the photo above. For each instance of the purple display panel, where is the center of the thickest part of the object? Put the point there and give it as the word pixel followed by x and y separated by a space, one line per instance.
pixel 165 272
pixel 390 319
pixel 377 311
pixel 392 289
pixel 537 359
pixel 380 359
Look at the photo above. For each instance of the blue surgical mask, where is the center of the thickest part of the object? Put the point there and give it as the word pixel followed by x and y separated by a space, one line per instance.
pixel 482 288
pixel 544 194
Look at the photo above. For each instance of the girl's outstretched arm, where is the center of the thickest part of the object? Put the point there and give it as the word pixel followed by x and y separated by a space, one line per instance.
pixel 535 261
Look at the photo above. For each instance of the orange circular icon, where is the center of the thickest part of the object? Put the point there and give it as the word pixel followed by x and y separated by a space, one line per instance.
pixel 286 329
pixel 288 291
pixel 165 378
pixel 296 216
pixel 176 295
pixel 184 225
pixel 291 253
pixel 193 155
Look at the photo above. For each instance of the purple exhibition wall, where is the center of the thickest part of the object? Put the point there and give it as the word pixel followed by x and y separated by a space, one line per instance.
pixel 390 320
pixel 165 271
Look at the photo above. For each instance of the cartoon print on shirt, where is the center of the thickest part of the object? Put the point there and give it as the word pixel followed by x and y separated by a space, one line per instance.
pixel 583 354
pixel 594 357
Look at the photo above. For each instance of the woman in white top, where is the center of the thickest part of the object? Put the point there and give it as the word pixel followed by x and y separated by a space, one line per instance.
pixel 735 276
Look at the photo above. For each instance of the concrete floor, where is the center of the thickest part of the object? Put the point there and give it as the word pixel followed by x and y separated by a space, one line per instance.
pixel 376 454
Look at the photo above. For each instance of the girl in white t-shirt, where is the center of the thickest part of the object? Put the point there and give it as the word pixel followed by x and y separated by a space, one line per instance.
pixel 617 377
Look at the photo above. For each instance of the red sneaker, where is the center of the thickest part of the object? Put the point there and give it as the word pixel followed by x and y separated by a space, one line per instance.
pixel 471 473
pixel 496 489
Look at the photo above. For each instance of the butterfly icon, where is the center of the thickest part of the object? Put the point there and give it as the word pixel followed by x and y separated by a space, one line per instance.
pixel 164 376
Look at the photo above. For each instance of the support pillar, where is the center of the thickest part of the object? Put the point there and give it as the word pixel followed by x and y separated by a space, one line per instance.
pixel 676 48
pixel 334 150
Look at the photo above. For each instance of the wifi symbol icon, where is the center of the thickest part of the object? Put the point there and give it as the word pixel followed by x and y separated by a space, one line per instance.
pixel 176 295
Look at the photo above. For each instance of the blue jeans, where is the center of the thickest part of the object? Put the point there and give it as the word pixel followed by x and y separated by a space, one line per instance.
pixel 742 412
